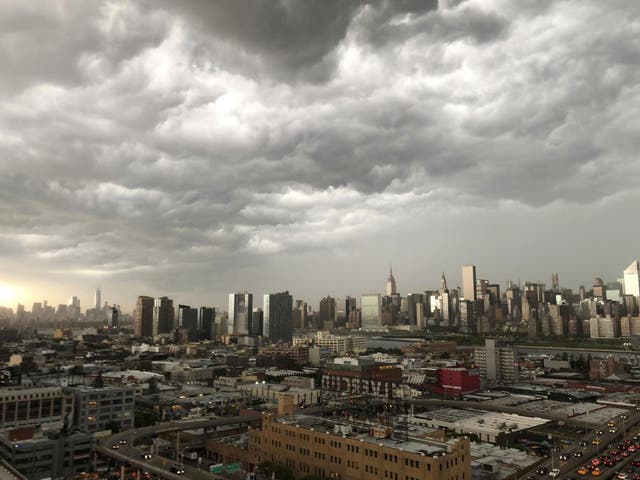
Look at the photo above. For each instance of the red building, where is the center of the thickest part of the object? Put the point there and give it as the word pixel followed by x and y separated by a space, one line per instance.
pixel 458 381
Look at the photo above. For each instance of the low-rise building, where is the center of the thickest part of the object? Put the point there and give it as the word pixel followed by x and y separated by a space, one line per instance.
pixel 493 427
pixel 315 446
pixel 48 456
pixel 362 376
pixel 34 406
pixel 97 409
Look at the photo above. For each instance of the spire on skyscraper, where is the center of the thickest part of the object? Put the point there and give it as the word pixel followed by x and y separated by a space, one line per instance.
pixel 391 282
pixel 443 283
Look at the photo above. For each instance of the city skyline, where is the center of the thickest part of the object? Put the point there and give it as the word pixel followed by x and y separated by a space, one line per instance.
pixel 193 149
pixel 225 299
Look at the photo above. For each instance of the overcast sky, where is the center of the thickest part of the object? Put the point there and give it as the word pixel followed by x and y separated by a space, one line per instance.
pixel 197 147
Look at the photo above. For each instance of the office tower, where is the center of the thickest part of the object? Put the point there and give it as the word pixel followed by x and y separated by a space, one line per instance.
pixel 371 311
pixel 163 316
pixel 534 292
pixel 630 304
pixel 206 323
pixel 445 307
pixel 469 282
pixel 582 293
pixel 599 290
pixel 391 283
pixel 240 311
pixel 73 308
pixel 300 315
pixel 443 283
pixel 115 317
pixel 327 313
pixel 21 314
pixel 278 317
pixel 257 322
pixel 482 288
pixel 613 291
pixel 415 313
pixel 341 315
pixel 97 301
pixel 467 320
pixel 349 305
pixel 632 279
pixel 143 317
pixel 555 283
pixel 188 320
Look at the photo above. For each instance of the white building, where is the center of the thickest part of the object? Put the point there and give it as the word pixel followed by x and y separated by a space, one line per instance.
pixel 632 279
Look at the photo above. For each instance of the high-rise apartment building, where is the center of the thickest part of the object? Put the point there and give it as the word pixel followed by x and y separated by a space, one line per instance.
pixel 163 316
pixel 278 317
pixel 497 364
pixel 143 317
pixel 632 279
pixel 469 282
pixel 240 313
pixel 371 311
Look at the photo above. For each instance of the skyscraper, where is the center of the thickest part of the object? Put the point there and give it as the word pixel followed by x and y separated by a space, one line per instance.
pixel 188 320
pixel 73 308
pixel 327 313
pixel 416 308
pixel 240 312
pixel 278 317
pixel 143 317
pixel 555 283
pixel 163 316
pixel 443 283
pixel 206 323
pixel 632 279
pixel 469 282
pixel 391 283
pixel 371 311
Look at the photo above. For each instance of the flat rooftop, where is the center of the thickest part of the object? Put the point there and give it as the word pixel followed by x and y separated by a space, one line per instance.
pixel 360 431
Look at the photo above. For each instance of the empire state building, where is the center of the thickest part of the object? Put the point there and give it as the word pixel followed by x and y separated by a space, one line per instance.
pixel 391 283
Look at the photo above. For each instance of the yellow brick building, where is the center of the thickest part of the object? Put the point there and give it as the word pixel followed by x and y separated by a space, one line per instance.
pixel 337 449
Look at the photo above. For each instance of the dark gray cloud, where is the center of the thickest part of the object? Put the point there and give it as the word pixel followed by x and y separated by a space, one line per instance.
pixel 196 147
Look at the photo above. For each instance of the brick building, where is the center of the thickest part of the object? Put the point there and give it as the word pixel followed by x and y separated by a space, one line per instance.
pixel 315 446
pixel 361 376
pixel 455 382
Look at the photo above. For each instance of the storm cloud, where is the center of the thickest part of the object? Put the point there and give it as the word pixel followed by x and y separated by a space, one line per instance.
pixel 199 147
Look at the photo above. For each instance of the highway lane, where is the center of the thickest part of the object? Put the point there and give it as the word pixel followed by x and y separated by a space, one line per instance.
pixel 569 468
pixel 160 466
